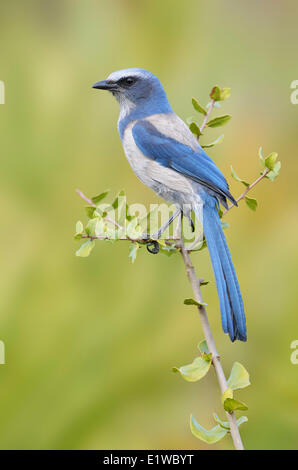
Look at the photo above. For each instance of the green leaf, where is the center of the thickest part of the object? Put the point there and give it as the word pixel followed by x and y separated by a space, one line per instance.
pixel 101 213
pixel 79 230
pixel 204 283
pixel 251 203
pixel 194 302
pixel 215 93
pixel 167 250
pixel 241 420
pixel 225 93
pixel 239 377
pixel 275 172
pixel 79 227
pixel 236 177
pixel 206 354
pixel 198 107
pixel 218 94
pixel 122 213
pixel 219 121
pixel 227 394
pixel 215 142
pixel 223 424
pixel 261 158
pixel 209 436
pixel 120 196
pixel 270 163
pixel 226 425
pixel 91 227
pixel 202 346
pixel 100 228
pixel 85 249
pixel 121 206
pixel 133 250
pixel 90 211
pixel 134 230
pixel 230 405
pixel 194 371
pixel 195 129
pixel 97 199
pixel 271 160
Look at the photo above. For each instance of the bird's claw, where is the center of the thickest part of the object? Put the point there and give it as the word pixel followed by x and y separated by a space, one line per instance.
pixel 155 247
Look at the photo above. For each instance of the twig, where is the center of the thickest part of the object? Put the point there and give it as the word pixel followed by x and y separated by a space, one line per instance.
pixel 242 196
pixel 91 203
pixel 86 199
pixel 252 185
pixel 211 106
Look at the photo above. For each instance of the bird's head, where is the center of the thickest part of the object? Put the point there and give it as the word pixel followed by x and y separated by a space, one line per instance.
pixel 134 88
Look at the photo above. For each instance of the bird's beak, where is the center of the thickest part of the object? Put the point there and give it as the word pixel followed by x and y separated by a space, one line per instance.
pixel 105 85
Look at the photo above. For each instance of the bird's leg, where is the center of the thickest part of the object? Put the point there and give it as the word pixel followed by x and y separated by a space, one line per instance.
pixel 153 246
pixel 159 233
pixel 192 225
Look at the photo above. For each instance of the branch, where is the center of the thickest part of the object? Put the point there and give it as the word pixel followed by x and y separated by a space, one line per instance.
pixel 91 203
pixel 211 106
pixel 200 237
pixel 242 196
pixel 145 239
pixel 86 199
pixel 196 287
pixel 252 185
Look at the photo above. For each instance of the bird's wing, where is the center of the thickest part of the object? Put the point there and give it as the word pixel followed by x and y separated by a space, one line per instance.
pixel 170 153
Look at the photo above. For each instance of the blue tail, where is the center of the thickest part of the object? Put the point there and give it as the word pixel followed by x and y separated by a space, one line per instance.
pixel 231 304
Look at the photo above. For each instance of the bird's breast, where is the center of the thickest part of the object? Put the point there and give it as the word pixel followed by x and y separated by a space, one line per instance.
pixel 135 157
pixel 166 182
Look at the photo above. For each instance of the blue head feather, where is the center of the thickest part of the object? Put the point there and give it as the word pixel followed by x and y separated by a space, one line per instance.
pixel 139 93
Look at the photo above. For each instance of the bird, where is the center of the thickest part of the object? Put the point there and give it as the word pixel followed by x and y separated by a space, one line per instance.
pixel 165 155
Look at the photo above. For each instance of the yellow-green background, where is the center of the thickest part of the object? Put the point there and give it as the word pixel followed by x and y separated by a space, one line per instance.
pixel 90 343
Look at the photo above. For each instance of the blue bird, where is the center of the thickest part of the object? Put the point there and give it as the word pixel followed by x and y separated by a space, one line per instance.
pixel 165 156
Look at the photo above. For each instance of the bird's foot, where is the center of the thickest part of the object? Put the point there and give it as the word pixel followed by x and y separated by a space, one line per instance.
pixel 153 247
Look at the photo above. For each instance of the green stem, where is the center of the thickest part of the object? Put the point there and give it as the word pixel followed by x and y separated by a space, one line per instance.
pixel 196 287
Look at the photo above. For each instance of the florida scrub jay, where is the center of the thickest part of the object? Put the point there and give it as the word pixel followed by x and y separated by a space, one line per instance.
pixel 165 156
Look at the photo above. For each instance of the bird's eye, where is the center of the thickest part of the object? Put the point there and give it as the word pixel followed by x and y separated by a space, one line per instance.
pixel 129 81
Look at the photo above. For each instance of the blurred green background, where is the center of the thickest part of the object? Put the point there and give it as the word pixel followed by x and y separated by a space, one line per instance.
pixel 90 343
